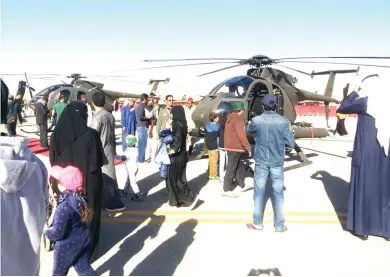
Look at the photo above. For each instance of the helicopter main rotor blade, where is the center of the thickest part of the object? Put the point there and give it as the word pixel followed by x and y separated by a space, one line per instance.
pixel 42 78
pixel 357 57
pixel 167 66
pixel 356 64
pixel 218 70
pixel 22 74
pixel 112 76
pixel 200 59
pixel 305 73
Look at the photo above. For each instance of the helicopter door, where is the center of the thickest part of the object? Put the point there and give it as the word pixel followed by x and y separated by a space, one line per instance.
pixel 253 98
pixel 52 99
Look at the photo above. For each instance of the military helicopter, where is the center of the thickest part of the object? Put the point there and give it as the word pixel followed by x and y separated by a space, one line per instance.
pixel 260 80
pixel 76 87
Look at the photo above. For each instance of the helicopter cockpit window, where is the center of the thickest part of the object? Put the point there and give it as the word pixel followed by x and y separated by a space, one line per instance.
pixel 236 86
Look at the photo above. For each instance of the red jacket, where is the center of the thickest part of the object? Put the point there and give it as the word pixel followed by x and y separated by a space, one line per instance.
pixel 235 134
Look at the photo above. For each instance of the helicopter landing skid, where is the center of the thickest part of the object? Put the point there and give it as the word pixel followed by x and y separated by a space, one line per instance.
pixel 304 160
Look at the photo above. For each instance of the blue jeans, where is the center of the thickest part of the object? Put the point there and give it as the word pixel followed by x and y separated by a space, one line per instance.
pixel 260 179
pixel 142 133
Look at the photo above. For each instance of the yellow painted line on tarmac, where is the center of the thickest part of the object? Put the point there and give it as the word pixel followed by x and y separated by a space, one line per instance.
pixel 230 217
pixel 221 213
pixel 215 220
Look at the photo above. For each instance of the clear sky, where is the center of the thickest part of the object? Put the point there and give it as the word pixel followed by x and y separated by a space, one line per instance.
pixel 178 28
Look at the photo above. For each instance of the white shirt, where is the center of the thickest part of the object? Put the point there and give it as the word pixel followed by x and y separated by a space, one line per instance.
pixel 131 154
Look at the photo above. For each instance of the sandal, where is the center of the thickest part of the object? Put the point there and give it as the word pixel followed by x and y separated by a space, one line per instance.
pixel 254 227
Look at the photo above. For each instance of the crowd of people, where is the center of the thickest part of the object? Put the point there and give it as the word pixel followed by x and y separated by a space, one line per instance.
pixel 83 174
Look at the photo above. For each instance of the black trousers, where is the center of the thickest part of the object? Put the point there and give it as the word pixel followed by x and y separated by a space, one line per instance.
pixel 233 161
pixel 11 127
pixel 43 135
pixel 340 128
pixel 20 117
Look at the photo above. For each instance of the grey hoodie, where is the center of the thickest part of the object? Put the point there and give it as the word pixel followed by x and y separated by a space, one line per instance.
pixel 24 203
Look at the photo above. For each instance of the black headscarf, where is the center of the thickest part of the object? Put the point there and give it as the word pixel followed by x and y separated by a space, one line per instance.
pixel 178 114
pixel 4 102
pixel 71 125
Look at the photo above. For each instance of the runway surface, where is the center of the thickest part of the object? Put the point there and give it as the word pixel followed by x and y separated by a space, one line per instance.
pixel 150 238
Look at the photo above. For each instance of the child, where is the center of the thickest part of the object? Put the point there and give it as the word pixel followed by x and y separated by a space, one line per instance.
pixel 70 233
pixel 131 158
pixel 212 143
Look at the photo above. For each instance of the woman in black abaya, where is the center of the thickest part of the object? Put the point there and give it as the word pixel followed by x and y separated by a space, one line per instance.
pixel 176 181
pixel 73 143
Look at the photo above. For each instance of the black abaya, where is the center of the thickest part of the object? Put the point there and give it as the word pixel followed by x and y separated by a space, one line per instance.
pixel 176 181
pixel 73 143
pixel 4 102
pixel 369 195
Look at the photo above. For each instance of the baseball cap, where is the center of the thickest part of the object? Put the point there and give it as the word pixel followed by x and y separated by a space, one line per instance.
pixel 238 106
pixel 190 100
pixel 131 140
pixel 70 177
pixel 269 100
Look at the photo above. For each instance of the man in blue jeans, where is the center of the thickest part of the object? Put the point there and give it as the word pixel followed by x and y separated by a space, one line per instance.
pixel 142 126
pixel 273 136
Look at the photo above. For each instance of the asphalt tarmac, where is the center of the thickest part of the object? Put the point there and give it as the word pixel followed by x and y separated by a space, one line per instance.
pixel 150 238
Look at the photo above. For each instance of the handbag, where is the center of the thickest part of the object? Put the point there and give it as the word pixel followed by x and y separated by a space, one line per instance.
pixel 162 156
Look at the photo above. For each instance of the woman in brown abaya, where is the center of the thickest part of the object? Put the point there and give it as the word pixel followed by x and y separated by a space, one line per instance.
pixel 179 193
pixel 73 143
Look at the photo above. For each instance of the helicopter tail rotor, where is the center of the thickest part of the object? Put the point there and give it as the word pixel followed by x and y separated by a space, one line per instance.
pixel 30 89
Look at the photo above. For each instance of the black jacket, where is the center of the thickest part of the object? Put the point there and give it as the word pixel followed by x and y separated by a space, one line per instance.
pixel 4 102
pixel 142 121
pixel 13 107
pixel 41 112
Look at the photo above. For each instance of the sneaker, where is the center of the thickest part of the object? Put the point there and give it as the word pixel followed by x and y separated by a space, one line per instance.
pixel 120 209
pixel 230 194
pixel 255 227
pixel 283 229
pixel 138 197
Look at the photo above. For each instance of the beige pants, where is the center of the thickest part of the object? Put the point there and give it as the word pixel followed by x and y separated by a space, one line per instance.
pixel 213 163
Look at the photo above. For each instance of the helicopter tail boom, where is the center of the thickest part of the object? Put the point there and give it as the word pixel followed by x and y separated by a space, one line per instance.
pixel 330 85
pixel 310 96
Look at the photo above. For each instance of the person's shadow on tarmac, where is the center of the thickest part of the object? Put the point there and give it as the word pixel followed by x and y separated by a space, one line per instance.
pixel 338 192
pixel 164 260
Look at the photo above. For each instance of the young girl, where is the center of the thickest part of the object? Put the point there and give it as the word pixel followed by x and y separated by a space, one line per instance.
pixel 131 158
pixel 70 234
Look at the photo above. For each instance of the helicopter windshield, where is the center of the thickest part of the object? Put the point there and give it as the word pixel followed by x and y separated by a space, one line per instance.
pixel 236 86
pixel 50 89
